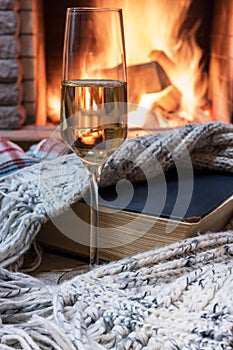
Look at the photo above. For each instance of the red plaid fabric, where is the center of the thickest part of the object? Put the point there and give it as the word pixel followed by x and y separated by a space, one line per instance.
pixel 48 149
pixel 12 158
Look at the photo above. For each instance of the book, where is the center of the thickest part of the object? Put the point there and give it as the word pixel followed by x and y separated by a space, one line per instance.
pixel 138 217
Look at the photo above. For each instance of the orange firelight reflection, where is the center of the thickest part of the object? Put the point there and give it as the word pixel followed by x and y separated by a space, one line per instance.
pixel 54 104
pixel 90 137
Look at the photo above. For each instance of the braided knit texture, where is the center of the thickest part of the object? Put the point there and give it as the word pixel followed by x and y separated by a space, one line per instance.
pixel 175 297
pixel 33 195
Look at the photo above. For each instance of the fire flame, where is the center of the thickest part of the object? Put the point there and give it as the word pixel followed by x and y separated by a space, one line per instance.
pixel 53 106
pixel 157 36
pixel 153 34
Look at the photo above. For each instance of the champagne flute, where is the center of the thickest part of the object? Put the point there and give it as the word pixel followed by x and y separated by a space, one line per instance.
pixel 94 95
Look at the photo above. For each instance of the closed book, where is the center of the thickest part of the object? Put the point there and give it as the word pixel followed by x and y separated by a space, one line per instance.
pixel 145 215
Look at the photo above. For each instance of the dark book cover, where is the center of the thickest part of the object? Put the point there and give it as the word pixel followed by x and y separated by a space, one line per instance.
pixel 183 196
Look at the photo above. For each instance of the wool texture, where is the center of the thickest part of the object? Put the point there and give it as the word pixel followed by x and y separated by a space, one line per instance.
pixel 175 297
pixel 33 195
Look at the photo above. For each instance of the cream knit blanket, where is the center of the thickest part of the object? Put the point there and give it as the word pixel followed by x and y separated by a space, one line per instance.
pixel 175 297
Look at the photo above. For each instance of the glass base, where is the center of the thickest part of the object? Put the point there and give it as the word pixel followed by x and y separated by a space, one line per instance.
pixel 68 275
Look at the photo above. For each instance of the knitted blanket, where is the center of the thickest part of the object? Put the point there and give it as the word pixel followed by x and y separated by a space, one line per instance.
pixel 175 297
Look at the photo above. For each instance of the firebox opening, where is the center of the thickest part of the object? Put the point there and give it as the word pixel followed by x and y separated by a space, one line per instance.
pixel 171 57
pixel 54 24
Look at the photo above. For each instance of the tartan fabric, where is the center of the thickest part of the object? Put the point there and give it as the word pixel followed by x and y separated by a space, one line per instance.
pixel 48 149
pixel 13 158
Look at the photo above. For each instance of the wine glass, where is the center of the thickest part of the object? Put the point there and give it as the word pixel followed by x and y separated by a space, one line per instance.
pixel 93 96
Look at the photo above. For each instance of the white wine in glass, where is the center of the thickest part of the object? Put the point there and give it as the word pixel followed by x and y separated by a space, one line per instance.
pixel 94 96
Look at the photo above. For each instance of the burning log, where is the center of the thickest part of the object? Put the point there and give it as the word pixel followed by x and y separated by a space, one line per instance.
pixel 167 104
pixel 152 78
pixel 163 108
pixel 168 99
pixel 171 96
pixel 163 60
pixel 146 78
pixel 150 87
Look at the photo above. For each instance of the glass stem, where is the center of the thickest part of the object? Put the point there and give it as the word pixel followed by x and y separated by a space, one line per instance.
pixel 94 215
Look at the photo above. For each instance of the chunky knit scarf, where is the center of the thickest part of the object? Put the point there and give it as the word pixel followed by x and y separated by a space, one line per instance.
pixel 175 297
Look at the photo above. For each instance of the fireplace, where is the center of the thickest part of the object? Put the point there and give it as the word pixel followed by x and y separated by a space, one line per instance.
pixel 180 62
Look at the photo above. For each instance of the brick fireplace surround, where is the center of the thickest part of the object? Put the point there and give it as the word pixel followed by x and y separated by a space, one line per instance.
pixel 19 62
pixel 22 62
